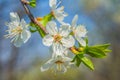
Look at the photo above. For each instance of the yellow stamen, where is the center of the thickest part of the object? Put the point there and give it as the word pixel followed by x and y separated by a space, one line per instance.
pixel 59 65
pixel 57 38
pixel 59 62
pixel 17 30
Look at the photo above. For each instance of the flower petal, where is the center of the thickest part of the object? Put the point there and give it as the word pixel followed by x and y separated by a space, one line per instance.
pixel 52 28
pixel 23 23
pixel 67 59
pixel 52 3
pixel 64 30
pixel 74 21
pixel 64 69
pixel 80 31
pixel 48 40
pixel 60 15
pixel 17 41
pixel 58 50
pixel 14 17
pixel 68 41
pixel 25 35
pixel 81 41
pixel 47 65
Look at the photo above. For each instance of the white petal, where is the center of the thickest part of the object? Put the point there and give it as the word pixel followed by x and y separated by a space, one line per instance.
pixel 68 41
pixel 74 21
pixel 14 17
pixel 23 23
pixel 61 9
pixel 52 28
pixel 59 15
pixel 80 31
pixel 64 69
pixel 18 41
pixel 12 25
pixel 64 30
pixel 81 41
pixel 52 3
pixel 25 35
pixel 47 65
pixel 48 40
pixel 67 59
pixel 58 49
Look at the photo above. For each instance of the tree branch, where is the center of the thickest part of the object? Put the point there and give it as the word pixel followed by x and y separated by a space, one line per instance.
pixel 27 10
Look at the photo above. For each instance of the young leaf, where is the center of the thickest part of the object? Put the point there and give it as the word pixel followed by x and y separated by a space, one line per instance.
pixel 46 19
pixel 102 46
pixel 86 40
pixel 96 52
pixel 32 3
pixel 86 61
pixel 76 60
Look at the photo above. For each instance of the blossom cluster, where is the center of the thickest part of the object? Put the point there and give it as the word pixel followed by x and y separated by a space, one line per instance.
pixel 61 39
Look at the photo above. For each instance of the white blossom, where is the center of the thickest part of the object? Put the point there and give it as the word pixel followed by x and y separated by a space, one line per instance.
pixel 57 64
pixel 58 39
pixel 17 30
pixel 58 12
pixel 79 31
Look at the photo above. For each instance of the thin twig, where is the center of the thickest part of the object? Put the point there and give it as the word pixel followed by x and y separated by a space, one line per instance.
pixel 27 10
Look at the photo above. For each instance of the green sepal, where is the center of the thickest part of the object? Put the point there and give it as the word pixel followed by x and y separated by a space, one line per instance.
pixel 33 30
pixel 32 3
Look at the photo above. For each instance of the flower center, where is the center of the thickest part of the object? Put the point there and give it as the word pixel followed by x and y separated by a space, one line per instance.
pixel 17 30
pixel 57 38
pixel 59 65
pixel 82 30
pixel 59 62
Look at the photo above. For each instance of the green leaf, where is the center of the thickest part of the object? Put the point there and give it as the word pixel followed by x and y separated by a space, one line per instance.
pixel 32 3
pixel 86 62
pixel 86 40
pixel 107 50
pixel 96 52
pixel 76 60
pixel 46 19
pixel 102 46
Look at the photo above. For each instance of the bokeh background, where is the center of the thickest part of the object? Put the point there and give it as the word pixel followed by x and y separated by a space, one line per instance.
pixel 102 20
